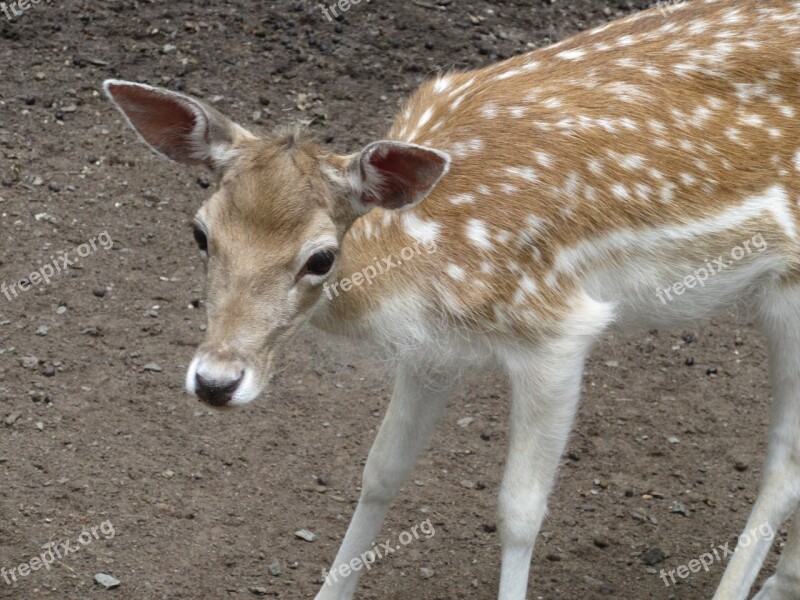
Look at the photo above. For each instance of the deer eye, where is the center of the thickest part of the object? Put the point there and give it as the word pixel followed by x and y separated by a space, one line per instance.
pixel 319 263
pixel 201 239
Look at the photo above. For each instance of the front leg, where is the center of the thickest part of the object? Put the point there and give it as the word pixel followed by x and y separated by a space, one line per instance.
pixel 417 405
pixel 546 386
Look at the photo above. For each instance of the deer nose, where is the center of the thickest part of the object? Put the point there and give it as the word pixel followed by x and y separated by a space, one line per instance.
pixel 216 392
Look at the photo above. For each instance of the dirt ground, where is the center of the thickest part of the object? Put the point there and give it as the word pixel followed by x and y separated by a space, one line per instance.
pixel 95 427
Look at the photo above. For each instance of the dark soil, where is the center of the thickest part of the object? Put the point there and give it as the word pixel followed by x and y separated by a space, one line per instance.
pixel 94 423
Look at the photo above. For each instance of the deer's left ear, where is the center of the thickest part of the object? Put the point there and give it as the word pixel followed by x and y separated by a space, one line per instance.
pixel 395 175
pixel 178 126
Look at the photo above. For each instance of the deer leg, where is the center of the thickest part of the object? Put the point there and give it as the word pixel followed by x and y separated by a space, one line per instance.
pixel 785 584
pixel 417 404
pixel 779 495
pixel 546 386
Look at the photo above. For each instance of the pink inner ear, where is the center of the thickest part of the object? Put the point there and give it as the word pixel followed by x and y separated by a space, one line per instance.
pixel 165 122
pixel 406 173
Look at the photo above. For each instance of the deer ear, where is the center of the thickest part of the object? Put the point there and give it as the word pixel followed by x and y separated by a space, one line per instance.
pixel 177 126
pixel 396 175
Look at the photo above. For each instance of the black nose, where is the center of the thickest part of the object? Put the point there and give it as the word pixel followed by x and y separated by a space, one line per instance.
pixel 216 393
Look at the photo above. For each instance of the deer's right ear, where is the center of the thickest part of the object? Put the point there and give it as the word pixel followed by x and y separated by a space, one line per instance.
pixel 177 126
pixel 395 175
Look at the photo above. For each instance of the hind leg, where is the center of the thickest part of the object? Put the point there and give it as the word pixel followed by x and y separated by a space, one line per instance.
pixel 780 487
pixel 785 584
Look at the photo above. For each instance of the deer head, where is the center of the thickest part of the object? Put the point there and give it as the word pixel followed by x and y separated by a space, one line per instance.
pixel 272 230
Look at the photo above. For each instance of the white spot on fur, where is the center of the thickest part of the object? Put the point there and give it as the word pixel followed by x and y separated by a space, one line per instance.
pixel 503 237
pixel 753 120
pixel 460 89
pixel 698 27
pixel 423 231
pixel 457 102
pixel 478 234
pixel 525 173
pixel 442 84
pixel 544 159
pixel 553 103
pixel 509 188
pixel 475 145
pixel 620 191
pixel 667 193
pixel 489 110
pixel 507 74
pixel 426 116
pixel 462 199
pixel 455 272
pixel 528 285
pixel 576 54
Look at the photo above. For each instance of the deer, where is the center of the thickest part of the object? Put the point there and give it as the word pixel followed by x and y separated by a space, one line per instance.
pixel 561 192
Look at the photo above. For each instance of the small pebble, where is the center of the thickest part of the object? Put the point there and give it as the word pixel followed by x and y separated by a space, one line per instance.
pixel 99 292
pixel 680 509
pixel 426 573
pixel 305 534
pixel 601 541
pixel 275 569
pixel 654 556
pixel 107 581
